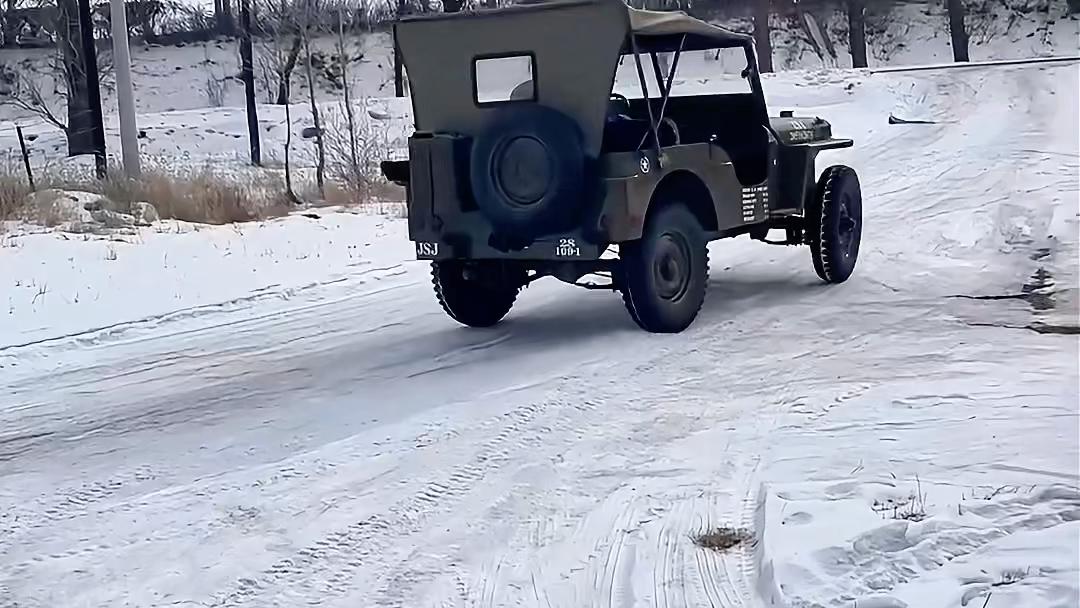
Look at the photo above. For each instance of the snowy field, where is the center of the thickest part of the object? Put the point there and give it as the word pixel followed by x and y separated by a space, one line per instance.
pixel 279 413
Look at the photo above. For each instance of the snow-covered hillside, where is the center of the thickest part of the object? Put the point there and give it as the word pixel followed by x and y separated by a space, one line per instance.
pixel 201 75
pixel 278 414
pixel 182 130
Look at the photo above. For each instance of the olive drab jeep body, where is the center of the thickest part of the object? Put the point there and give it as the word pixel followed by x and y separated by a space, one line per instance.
pixel 525 163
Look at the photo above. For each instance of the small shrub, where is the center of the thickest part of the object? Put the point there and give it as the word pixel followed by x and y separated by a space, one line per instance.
pixel 214 91
pixel 723 539
pixel 353 158
pixel 911 508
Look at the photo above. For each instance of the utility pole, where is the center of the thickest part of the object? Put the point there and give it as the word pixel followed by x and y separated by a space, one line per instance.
pixel 247 74
pixel 125 94
pixel 93 88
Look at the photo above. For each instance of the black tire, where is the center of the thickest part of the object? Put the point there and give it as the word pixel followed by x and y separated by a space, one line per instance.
pixel 475 302
pixel 527 171
pixel 666 272
pixel 834 223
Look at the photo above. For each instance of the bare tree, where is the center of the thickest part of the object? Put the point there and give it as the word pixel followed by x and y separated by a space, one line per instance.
pixel 856 13
pixel 957 30
pixel 343 59
pixel 275 58
pixel 762 11
pixel 289 192
pixel 223 17
pixel 57 91
pixel 307 30
pixel 80 121
pixel 280 21
pixel 247 74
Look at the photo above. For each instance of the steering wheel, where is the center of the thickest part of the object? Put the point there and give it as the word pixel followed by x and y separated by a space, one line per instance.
pixel 619 97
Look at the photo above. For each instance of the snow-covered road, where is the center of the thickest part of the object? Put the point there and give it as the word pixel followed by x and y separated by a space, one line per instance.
pixel 895 440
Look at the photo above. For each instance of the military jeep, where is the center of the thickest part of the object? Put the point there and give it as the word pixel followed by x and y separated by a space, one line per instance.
pixel 524 163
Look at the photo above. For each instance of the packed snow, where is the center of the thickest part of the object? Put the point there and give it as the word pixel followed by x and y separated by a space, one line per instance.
pixel 279 414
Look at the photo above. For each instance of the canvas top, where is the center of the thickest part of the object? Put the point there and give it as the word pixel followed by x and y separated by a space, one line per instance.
pixel 660 31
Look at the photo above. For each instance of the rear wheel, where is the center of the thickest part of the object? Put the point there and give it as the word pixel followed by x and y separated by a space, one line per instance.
pixel 477 294
pixel 666 272
pixel 834 224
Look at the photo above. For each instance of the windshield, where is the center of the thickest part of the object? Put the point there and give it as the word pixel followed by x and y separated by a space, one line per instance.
pixel 714 71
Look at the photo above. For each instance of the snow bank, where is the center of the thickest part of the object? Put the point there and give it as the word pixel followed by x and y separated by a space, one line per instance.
pixel 56 285
pixel 900 545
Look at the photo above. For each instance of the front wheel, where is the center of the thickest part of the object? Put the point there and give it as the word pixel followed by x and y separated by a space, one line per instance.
pixel 666 272
pixel 834 224
pixel 477 294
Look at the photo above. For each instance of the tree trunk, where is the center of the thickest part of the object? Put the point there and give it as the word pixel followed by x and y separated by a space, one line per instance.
pixel 289 192
pixel 285 74
pixel 762 9
pixel 93 86
pixel 320 149
pixel 957 30
pixel 226 23
pixel 247 74
pixel 856 14
pixel 350 117
pixel 399 68
pixel 10 29
pixel 80 120
pixel 283 90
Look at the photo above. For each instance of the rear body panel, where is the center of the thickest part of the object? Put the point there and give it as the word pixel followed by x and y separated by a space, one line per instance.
pixel 445 223
pixel 575 47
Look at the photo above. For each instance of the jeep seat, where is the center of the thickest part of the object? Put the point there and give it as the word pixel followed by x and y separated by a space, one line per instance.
pixel 624 133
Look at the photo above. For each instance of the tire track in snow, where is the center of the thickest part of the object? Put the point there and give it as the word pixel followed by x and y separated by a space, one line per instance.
pixel 726 578
pixel 326 566
pixel 74 502
pixel 613 521
pixel 605 577
pixel 665 548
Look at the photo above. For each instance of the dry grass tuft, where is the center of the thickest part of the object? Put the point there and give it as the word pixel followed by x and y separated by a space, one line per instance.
pixel 13 197
pixel 911 508
pixel 723 539
pixel 204 197
pixel 346 194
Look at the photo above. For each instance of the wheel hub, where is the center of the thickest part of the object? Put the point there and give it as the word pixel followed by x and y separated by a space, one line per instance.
pixel 523 171
pixel 671 266
pixel 846 225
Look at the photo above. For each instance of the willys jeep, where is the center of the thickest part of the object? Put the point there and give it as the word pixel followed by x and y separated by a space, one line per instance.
pixel 513 176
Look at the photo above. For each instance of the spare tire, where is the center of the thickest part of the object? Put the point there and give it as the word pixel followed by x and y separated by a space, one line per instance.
pixel 527 171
